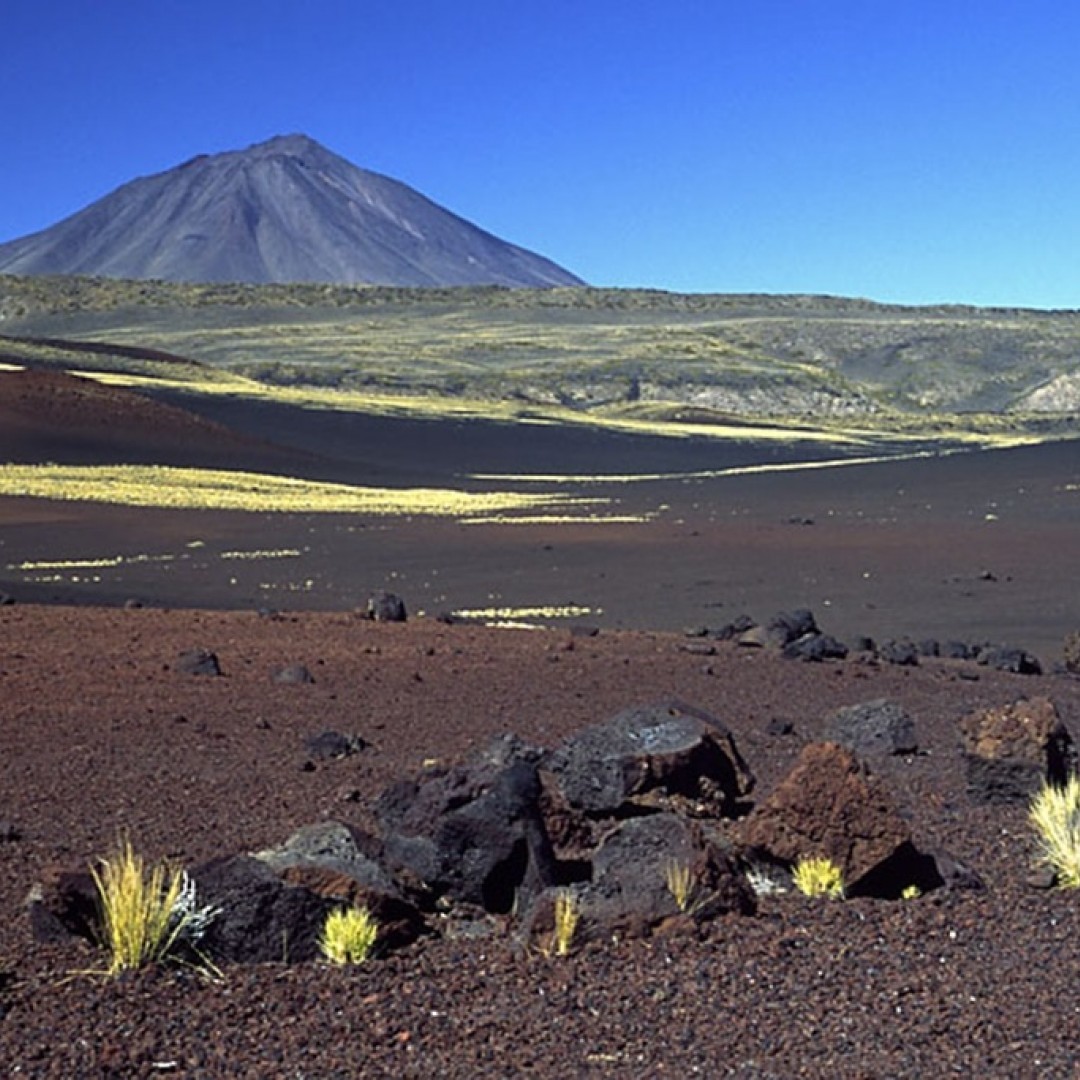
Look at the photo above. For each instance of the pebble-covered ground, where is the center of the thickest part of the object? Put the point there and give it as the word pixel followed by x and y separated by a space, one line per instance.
pixel 100 735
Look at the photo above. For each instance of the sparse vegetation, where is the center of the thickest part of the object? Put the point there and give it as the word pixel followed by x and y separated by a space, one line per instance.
pixel 1055 816
pixel 818 876
pixel 146 912
pixel 838 368
pixel 681 883
pixel 567 915
pixel 154 485
pixel 348 935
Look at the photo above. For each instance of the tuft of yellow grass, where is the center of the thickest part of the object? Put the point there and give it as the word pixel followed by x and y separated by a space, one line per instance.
pixel 1055 815
pixel 818 876
pixel 142 919
pixel 680 881
pixel 567 912
pixel 348 935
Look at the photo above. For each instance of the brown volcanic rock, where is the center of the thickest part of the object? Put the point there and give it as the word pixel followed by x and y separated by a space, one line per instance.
pixel 830 805
pixel 1010 751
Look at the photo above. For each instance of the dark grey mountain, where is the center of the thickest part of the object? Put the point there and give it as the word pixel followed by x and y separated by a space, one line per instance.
pixel 286 210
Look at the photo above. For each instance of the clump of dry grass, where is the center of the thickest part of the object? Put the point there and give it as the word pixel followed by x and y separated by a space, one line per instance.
pixel 146 911
pixel 567 915
pixel 681 883
pixel 348 935
pixel 1055 815
pixel 818 876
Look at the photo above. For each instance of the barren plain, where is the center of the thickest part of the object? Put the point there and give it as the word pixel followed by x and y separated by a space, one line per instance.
pixel 650 541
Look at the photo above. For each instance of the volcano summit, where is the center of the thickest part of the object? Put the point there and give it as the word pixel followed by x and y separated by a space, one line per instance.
pixel 285 210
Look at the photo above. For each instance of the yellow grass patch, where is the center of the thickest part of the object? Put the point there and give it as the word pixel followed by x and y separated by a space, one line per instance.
pixel 206 489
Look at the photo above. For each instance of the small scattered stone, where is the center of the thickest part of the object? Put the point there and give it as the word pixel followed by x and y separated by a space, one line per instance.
pixel 329 745
pixel 698 648
pixel 1009 659
pixel 1041 877
pixel 198 662
pixel 385 606
pixel 294 675
pixel 901 653
pixel 1071 651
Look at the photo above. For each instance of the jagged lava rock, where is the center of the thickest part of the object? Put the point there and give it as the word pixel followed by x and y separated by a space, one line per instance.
pixel 829 805
pixel 873 727
pixel 261 918
pixel 337 862
pixel 649 752
pixel 473 833
pixel 1012 750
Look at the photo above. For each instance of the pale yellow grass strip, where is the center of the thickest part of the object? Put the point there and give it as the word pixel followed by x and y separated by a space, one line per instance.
pixel 178 488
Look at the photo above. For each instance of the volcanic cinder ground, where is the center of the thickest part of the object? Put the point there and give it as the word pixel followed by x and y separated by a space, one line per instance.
pixel 100 734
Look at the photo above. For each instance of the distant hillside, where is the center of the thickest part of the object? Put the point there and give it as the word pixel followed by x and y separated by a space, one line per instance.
pixel 604 353
pixel 286 210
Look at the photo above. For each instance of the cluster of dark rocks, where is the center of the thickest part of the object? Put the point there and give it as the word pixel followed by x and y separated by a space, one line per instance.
pixel 797 636
pixel 646 820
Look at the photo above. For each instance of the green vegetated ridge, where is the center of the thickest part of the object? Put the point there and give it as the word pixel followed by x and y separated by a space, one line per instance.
pixel 639 357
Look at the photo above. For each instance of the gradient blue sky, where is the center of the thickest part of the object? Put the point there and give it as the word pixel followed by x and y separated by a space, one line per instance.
pixel 903 151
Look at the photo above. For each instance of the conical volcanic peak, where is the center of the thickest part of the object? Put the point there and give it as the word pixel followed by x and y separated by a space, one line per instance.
pixel 283 210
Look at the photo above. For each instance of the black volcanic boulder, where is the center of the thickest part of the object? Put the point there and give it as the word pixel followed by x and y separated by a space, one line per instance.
pixel 787 626
pixel 649 873
pixel 814 648
pixel 1011 751
pixel 649 756
pixel 338 862
pixel 873 727
pixel 1007 658
pixel 260 918
pixel 65 902
pixel 637 866
pixel 472 833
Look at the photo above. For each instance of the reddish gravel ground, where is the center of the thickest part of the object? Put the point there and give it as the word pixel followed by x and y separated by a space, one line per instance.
pixel 100 734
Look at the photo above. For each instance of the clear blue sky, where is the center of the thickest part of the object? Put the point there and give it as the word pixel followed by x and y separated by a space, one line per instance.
pixel 917 151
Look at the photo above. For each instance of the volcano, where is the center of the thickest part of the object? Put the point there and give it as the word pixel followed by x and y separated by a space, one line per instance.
pixel 282 211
